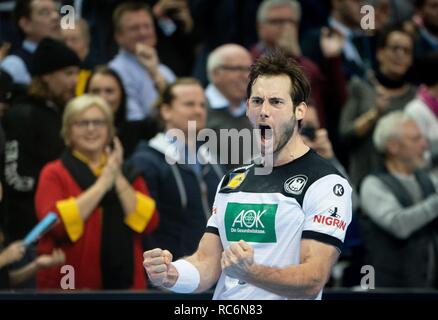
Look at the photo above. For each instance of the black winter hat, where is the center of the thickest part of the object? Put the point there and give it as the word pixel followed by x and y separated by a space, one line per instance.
pixel 52 55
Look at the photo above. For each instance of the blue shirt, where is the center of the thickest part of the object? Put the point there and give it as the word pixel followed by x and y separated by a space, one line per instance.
pixel 140 88
pixel 16 67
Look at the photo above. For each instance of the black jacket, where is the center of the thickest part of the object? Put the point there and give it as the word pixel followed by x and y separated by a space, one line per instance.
pixel 184 199
pixel 32 127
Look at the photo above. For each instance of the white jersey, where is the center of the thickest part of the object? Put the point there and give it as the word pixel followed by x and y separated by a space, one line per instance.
pixel 304 199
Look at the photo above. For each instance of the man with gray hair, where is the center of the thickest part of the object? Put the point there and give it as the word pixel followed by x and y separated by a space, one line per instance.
pixel 400 206
pixel 228 68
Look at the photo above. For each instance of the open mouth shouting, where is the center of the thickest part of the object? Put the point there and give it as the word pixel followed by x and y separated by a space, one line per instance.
pixel 266 132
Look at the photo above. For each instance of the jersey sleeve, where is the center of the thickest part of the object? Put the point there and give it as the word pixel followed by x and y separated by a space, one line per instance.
pixel 327 210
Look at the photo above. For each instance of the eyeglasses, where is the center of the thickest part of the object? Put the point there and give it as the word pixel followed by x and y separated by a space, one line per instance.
pixel 280 21
pixel 96 123
pixel 235 68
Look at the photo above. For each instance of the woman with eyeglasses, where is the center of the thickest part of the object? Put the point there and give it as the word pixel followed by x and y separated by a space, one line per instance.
pixel 385 90
pixel 103 207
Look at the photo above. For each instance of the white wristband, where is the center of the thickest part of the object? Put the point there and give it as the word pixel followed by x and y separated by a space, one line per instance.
pixel 188 277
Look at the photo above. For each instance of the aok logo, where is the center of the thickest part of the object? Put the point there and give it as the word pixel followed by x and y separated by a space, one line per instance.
pixel 250 222
pixel 249 219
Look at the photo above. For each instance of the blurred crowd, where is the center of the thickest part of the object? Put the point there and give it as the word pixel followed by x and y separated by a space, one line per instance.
pixel 86 110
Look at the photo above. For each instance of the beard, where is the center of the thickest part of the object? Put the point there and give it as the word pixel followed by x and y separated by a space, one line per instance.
pixel 287 130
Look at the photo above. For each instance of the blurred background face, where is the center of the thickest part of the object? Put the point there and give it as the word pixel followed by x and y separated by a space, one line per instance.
pixel 189 104
pixel 62 84
pixel 44 21
pixel 429 13
pixel 136 27
pixel 411 146
pixel 348 11
pixel 76 40
pixel 396 57
pixel 89 132
pixel 108 88
pixel 382 13
pixel 231 77
pixel 277 18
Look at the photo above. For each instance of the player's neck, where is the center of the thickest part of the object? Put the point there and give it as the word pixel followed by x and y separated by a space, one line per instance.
pixel 294 149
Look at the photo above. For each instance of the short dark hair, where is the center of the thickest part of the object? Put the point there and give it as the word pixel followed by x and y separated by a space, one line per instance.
pixel 167 96
pixel 22 9
pixel 384 34
pixel 131 6
pixel 278 63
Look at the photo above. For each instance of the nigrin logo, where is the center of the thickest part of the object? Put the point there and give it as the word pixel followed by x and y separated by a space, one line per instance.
pixel 330 221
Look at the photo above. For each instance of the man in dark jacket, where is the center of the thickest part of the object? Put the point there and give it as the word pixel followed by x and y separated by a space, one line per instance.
pixel 32 127
pixel 182 181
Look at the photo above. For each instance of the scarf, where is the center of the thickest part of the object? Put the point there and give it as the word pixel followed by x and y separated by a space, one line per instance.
pixel 390 83
pixel 116 257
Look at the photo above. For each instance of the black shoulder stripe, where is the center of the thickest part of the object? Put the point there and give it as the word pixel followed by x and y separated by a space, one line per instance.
pixel 211 229
pixel 323 237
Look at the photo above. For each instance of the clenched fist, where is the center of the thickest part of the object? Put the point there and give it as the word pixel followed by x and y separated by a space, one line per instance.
pixel 237 260
pixel 161 272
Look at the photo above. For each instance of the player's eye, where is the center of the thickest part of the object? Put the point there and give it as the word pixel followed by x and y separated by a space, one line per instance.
pixel 275 101
pixel 257 101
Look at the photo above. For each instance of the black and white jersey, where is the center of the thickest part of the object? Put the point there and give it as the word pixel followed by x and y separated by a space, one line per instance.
pixel 303 199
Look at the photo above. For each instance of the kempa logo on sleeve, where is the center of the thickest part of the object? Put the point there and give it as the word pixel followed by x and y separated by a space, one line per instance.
pixel 251 222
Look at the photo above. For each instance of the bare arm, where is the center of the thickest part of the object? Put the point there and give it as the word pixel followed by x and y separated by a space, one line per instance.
pixel 126 194
pixel 44 261
pixel 302 281
pixel 89 199
pixel 206 259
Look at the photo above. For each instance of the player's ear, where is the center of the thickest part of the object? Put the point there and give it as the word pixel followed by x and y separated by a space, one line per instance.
pixel 300 110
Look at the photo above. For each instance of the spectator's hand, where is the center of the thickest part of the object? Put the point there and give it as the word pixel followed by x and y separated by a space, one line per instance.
pixel 237 260
pixel 331 42
pixel 288 41
pixel 4 50
pixel 176 10
pixel 116 154
pixel 382 101
pixel 148 57
pixel 50 260
pixel 157 263
pixel 14 252
pixel 113 165
pixel 321 144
